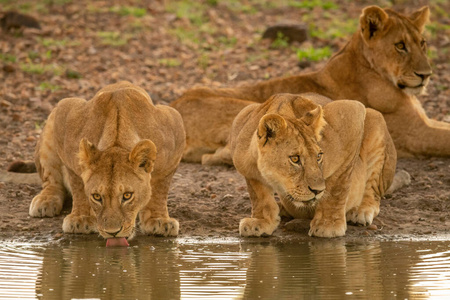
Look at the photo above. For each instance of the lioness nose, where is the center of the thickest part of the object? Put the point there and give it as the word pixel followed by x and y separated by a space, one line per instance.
pixel 114 233
pixel 423 75
pixel 315 192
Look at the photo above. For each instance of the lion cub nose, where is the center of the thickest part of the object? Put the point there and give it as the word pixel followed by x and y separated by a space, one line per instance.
pixel 114 233
pixel 315 192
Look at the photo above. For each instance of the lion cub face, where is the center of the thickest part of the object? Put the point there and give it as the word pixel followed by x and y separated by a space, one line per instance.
pixel 117 183
pixel 290 159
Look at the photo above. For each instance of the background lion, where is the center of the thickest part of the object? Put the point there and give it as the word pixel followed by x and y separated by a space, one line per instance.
pixel 332 164
pixel 384 65
pixel 116 154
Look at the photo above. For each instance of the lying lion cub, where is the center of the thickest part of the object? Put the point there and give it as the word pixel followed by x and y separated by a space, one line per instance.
pixel 329 161
pixel 116 154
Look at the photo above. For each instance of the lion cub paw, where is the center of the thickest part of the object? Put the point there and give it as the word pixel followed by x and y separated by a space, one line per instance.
pixel 362 215
pixel 322 227
pixel 80 224
pixel 257 227
pixel 160 226
pixel 46 205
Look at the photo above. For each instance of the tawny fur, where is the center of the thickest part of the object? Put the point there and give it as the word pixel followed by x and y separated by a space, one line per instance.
pixel 333 167
pixel 116 145
pixel 372 68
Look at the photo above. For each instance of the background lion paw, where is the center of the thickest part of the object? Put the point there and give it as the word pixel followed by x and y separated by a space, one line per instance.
pixel 327 228
pixel 160 226
pixel 362 215
pixel 45 205
pixel 80 224
pixel 257 227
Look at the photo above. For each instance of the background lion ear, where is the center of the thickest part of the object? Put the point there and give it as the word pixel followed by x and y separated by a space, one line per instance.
pixel 269 126
pixel 372 21
pixel 315 120
pixel 143 155
pixel 420 17
pixel 87 154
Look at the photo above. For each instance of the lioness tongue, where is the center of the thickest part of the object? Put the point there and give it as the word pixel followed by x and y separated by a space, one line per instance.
pixel 117 242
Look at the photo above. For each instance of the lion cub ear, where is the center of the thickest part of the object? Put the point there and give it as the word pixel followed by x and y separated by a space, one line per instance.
pixel 269 126
pixel 87 154
pixel 316 121
pixel 420 17
pixel 372 21
pixel 143 155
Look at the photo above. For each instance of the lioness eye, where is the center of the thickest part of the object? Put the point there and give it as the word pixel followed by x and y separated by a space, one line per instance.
pixel 400 46
pixel 319 156
pixel 97 197
pixel 127 196
pixel 423 43
pixel 295 159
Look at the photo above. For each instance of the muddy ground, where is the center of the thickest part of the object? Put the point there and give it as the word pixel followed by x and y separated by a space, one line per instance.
pixel 83 46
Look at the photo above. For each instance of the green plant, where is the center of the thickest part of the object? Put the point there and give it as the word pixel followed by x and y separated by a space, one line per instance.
pixel 280 42
pixel 32 68
pixel 192 10
pixel 169 62
pixel 45 86
pixel 10 58
pixel 129 10
pixel 33 55
pixel 73 74
pixel 314 54
pixel 186 36
pixel 204 60
pixel 310 4
pixel 113 38
pixel 226 41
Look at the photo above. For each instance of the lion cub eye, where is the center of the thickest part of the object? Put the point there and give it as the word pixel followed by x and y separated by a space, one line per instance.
pixel 295 159
pixel 97 197
pixel 127 196
pixel 400 46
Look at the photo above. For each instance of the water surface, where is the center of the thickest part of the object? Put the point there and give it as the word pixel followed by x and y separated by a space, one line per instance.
pixel 173 269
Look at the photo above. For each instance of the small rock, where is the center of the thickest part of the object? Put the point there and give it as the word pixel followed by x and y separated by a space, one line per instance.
pixel 9 68
pixel 227 197
pixel 5 103
pixel 372 227
pixel 292 32
pixel 30 139
pixel 58 235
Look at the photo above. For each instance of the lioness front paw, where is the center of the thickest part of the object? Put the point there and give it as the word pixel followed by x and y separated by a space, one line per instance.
pixel 257 227
pixel 80 224
pixel 322 227
pixel 160 226
pixel 362 215
pixel 46 205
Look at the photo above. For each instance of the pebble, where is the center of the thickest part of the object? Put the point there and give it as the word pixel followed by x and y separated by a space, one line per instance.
pixel 5 103
pixel 372 227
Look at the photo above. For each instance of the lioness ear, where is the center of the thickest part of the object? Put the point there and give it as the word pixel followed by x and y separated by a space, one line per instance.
pixel 143 155
pixel 316 121
pixel 87 154
pixel 269 126
pixel 372 21
pixel 420 17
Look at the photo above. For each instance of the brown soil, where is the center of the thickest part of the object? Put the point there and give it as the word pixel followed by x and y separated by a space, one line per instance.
pixel 208 201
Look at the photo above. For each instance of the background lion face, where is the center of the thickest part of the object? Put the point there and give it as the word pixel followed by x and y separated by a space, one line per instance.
pixel 395 47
